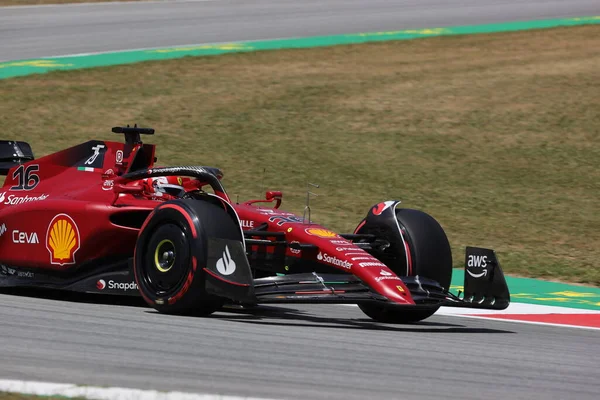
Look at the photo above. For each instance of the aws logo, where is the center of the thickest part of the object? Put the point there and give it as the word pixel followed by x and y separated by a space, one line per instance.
pixel 62 240
pixel 477 262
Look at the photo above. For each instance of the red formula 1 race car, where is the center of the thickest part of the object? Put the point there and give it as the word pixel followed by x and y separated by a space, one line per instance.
pixel 100 217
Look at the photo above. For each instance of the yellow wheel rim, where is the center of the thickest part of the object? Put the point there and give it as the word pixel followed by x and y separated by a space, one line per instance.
pixel 164 260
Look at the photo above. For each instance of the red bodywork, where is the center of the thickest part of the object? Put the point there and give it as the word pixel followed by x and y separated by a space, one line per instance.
pixel 67 209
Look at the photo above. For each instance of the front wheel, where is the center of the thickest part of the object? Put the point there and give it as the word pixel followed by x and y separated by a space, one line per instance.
pixel 427 251
pixel 171 252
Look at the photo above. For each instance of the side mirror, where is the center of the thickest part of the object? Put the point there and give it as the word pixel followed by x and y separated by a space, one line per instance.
pixel 270 196
pixel 274 195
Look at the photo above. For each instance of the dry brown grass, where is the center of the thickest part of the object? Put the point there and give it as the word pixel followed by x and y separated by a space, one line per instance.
pixel 495 135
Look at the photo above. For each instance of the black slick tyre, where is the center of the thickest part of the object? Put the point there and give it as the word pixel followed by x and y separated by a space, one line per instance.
pixel 430 257
pixel 171 252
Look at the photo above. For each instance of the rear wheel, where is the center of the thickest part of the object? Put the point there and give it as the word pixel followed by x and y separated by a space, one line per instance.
pixel 171 252
pixel 428 254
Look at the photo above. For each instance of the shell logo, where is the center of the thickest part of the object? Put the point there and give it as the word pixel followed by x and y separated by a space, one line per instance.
pixel 62 240
pixel 320 232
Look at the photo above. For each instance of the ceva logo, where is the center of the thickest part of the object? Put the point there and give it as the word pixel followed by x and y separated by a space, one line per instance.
pixel 24 237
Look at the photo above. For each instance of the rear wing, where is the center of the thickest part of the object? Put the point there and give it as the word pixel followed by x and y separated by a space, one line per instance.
pixel 13 153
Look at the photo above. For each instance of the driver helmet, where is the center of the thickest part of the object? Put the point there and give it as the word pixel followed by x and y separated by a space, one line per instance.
pixel 166 184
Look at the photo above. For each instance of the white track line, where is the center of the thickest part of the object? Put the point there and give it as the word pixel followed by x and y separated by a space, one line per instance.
pixel 517 308
pixel 96 53
pixel 522 322
pixel 514 308
pixel 101 393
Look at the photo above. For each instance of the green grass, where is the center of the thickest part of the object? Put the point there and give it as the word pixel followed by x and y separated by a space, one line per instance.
pixel 495 135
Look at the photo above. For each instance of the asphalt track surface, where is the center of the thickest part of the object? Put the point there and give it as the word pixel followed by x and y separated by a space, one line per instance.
pixel 278 352
pixel 292 352
pixel 31 32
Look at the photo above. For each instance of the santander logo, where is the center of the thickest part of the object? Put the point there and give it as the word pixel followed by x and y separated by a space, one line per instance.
pixel 101 284
pixel 333 260
pixel 385 275
pixel 225 264
pixel 381 207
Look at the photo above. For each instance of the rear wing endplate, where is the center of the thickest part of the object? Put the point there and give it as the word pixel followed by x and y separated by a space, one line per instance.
pixel 13 153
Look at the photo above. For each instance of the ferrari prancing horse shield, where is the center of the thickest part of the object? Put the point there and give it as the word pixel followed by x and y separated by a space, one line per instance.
pixel 62 240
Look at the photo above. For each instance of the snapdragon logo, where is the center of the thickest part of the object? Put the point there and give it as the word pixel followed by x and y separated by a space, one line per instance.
pixel 124 286
pixel 334 260
pixel 12 200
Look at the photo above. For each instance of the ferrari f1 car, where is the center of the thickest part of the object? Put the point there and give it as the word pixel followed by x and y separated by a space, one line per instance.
pixel 101 217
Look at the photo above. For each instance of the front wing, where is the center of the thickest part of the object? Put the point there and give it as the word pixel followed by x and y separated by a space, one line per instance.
pixel 481 290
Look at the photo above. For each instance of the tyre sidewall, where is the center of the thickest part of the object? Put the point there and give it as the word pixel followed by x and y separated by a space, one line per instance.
pixel 429 247
pixel 430 256
pixel 190 290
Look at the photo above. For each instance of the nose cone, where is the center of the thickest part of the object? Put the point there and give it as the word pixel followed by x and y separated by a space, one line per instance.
pixel 396 292
pixel 345 255
pixel 385 282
